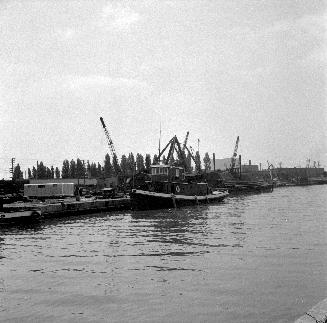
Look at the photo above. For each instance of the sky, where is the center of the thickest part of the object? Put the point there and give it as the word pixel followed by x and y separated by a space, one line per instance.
pixel 218 69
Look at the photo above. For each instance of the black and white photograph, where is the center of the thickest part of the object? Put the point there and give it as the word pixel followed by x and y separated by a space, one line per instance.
pixel 163 161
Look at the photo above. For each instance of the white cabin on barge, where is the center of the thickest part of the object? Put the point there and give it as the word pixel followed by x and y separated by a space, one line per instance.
pixel 49 190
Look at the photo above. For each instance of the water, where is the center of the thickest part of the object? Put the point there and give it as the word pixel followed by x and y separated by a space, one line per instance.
pixel 256 258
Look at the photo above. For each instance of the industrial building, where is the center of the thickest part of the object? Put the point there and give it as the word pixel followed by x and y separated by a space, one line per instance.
pixel 226 163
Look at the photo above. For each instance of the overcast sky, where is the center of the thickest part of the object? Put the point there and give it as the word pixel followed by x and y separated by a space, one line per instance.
pixel 218 69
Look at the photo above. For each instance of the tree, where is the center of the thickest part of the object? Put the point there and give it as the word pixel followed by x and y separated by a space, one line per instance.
pixel 130 164
pixel 115 163
pixel 57 172
pixel 80 168
pixel 52 172
pixel 108 169
pixel 147 163
pixel 88 169
pixel 48 173
pixel 72 169
pixel 124 164
pixel 139 163
pixel 93 170
pixel 34 172
pixel 207 162
pixel 41 171
pixel 99 170
pixel 164 159
pixel 65 169
pixel 29 173
pixel 17 173
pixel 198 162
pixel 155 160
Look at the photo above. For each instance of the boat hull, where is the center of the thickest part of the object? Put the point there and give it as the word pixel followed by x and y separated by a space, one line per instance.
pixel 25 216
pixel 145 200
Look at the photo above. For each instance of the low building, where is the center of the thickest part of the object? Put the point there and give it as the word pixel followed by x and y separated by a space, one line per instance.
pixel 222 164
pixel 249 168
pixel 226 163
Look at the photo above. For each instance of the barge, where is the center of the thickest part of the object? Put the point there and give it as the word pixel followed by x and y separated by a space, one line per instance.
pixel 12 215
pixel 61 208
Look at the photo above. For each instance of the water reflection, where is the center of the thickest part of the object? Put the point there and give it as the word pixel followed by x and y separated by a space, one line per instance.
pixel 20 228
pixel 206 226
pixel 215 255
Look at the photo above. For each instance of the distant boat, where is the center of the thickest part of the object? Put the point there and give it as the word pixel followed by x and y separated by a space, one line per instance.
pixel 168 188
pixel 239 186
pixel 19 215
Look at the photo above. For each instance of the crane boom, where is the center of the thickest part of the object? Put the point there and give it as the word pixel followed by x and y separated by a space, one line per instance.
pixel 233 159
pixel 191 152
pixel 185 141
pixel 111 146
pixel 193 155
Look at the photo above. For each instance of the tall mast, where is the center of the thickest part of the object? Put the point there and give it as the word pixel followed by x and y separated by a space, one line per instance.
pixel 159 140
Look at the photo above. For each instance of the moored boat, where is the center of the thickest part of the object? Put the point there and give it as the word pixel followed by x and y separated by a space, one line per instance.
pixel 169 188
pixel 18 215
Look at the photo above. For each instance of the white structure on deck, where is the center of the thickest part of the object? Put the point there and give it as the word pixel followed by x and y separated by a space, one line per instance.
pixel 76 181
pixel 49 190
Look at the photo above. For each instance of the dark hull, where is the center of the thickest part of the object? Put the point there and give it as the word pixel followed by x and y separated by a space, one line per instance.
pixel 20 217
pixel 144 200
pixel 240 187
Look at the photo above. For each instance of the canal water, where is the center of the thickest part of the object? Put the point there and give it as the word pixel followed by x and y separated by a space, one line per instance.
pixel 253 258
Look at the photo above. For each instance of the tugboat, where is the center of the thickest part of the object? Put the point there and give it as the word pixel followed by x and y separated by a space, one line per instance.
pixel 169 189
pixel 169 186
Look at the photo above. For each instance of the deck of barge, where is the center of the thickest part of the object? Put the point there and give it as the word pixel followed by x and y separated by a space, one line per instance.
pixel 64 207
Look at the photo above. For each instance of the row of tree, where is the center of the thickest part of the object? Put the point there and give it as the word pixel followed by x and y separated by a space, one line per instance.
pixel 127 166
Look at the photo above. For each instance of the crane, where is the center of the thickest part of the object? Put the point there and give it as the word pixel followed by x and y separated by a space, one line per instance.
pixel 174 145
pixel 111 147
pixel 197 161
pixel 185 141
pixel 233 159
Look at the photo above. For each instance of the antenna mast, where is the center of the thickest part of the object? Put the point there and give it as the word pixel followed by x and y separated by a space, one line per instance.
pixel 159 140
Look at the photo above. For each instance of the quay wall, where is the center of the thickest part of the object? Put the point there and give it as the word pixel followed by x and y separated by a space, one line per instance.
pixel 285 174
pixel 83 207
pixel 71 207
pixel 299 172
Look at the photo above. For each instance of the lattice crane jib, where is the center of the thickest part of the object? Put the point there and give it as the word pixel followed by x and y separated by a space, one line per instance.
pixel 111 145
pixel 185 141
pixel 235 153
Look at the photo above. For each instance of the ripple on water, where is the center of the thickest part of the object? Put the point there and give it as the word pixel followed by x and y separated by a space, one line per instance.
pixel 254 253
